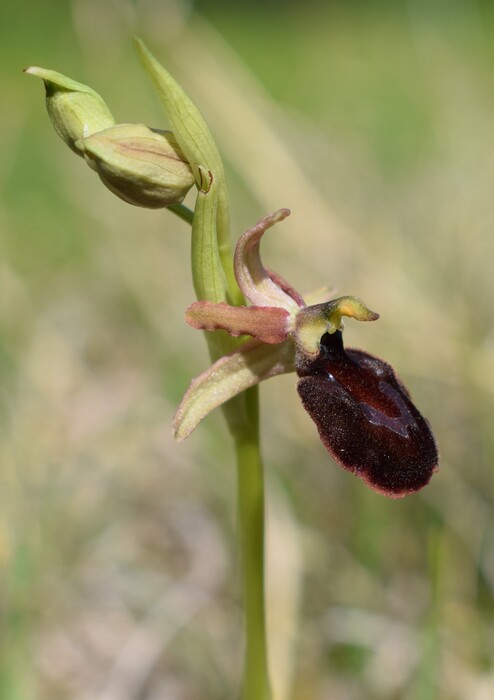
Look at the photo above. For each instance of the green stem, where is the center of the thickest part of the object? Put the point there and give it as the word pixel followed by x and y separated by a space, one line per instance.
pixel 251 516
pixel 182 212
pixel 242 414
pixel 214 280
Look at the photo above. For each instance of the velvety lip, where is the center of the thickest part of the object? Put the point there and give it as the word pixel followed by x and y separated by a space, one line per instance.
pixel 366 418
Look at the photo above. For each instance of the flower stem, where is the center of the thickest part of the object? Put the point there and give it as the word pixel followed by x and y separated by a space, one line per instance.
pixel 250 489
pixel 214 281
pixel 242 414
pixel 182 212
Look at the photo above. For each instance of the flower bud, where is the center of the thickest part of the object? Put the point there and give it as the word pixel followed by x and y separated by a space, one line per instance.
pixel 142 166
pixel 75 110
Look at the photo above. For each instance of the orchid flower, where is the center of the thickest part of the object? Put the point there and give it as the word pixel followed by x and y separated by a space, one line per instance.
pixel 363 412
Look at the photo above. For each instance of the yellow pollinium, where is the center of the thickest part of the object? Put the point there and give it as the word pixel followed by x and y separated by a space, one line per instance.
pixel 313 322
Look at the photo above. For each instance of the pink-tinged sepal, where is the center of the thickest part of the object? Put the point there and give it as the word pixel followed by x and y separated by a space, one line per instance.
pixel 243 368
pixel 259 285
pixel 266 323
pixel 366 418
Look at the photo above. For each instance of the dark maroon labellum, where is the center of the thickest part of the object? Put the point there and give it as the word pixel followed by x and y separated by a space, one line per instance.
pixel 366 418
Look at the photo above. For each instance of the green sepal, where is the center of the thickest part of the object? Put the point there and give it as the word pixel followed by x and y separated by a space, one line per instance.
pixel 142 166
pixel 76 111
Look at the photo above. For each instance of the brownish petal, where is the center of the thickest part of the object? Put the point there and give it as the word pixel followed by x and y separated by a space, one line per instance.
pixel 266 323
pixel 366 418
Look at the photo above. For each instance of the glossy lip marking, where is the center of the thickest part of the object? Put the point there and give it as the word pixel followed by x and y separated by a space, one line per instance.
pixel 399 424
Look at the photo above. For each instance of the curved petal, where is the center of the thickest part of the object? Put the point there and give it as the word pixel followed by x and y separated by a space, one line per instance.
pixel 246 366
pixel 260 286
pixel 266 323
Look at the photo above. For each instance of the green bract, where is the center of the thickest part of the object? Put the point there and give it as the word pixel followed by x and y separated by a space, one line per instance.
pixel 211 228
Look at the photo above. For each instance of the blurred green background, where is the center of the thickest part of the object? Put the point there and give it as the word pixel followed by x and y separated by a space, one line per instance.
pixel 374 123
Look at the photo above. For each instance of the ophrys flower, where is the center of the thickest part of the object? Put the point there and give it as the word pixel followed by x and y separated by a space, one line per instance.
pixel 363 412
